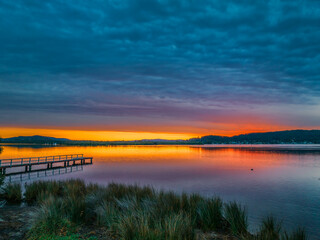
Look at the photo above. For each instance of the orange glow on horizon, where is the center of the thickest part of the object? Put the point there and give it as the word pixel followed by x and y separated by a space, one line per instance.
pixel 97 135
pixel 91 135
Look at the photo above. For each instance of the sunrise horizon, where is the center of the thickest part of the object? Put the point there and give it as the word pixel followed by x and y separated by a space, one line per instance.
pixel 159 119
pixel 85 135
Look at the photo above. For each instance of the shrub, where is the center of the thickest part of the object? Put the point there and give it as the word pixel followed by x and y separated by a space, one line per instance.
pixel 237 217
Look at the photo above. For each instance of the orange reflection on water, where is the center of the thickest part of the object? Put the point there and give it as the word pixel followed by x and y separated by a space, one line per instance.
pixel 198 156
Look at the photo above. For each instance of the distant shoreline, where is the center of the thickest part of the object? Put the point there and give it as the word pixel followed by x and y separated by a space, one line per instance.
pixel 222 145
pixel 279 137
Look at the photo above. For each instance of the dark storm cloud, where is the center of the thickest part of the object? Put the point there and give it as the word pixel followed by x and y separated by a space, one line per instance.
pixel 182 59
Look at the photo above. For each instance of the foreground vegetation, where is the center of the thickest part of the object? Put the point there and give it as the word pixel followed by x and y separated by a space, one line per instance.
pixel 133 212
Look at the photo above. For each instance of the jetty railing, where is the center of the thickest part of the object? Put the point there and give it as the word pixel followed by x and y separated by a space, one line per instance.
pixel 32 160
pixel 49 161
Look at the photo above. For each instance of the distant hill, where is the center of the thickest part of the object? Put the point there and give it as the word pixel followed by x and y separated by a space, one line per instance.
pixel 159 140
pixel 280 137
pixel 34 139
pixel 290 136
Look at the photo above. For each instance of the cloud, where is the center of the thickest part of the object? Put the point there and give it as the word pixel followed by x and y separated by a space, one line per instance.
pixel 147 59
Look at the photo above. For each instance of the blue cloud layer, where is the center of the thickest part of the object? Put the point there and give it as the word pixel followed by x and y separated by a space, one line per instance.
pixel 146 59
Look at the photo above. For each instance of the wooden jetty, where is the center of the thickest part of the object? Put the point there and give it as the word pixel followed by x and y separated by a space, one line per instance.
pixel 47 162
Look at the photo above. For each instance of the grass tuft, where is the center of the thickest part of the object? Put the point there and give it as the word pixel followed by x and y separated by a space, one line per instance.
pixel 299 234
pixel 12 193
pixel 209 214
pixel 107 214
pixel 237 217
pixel 270 229
pixel 133 212
pixel 50 220
pixel 37 191
pixel 178 227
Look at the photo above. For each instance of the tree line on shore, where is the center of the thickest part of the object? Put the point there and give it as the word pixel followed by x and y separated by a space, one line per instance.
pixel 279 137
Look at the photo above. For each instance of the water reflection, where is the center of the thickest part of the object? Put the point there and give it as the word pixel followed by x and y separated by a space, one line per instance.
pixel 42 173
pixel 284 181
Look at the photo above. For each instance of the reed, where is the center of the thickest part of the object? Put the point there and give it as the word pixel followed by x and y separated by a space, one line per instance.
pixel 143 226
pixel 74 187
pixel 133 212
pixel 1 179
pixel 177 227
pixel 136 226
pixel 237 217
pixel 50 220
pixel 120 191
pixel 37 191
pixel 209 214
pixel 107 214
pixel 269 229
pixel 299 234
pixel 75 208
pixel 11 193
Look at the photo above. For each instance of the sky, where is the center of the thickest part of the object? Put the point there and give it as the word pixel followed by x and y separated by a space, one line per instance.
pixel 135 69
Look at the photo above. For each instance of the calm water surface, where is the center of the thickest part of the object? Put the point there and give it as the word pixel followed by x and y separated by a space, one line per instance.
pixel 285 180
